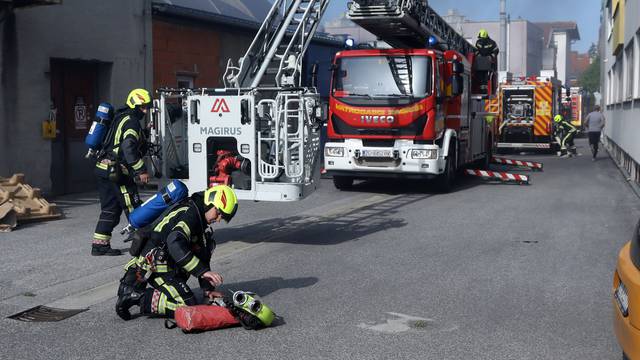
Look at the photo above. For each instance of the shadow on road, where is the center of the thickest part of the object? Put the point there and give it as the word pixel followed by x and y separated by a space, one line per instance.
pixel 266 286
pixel 322 229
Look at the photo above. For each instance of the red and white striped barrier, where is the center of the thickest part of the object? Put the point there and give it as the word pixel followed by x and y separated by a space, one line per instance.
pixel 530 164
pixel 502 176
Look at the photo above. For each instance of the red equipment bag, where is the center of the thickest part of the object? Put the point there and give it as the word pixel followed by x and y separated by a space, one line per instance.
pixel 204 317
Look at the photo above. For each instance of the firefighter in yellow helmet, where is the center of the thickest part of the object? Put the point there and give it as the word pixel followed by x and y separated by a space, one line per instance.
pixel 564 132
pixel 118 163
pixel 485 45
pixel 175 246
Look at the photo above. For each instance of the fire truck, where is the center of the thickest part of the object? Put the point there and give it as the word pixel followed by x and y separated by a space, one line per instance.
pixel 525 109
pixel 261 133
pixel 413 111
pixel 573 105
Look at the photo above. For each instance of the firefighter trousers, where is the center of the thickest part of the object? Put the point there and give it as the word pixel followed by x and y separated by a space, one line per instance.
pixel 114 199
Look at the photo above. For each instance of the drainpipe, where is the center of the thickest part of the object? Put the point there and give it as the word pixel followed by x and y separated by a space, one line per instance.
pixel 503 35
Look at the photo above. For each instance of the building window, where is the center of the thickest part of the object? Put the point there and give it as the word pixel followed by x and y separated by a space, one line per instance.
pixel 185 81
pixel 609 88
pixel 629 77
pixel 636 66
pixel 620 77
pixel 609 20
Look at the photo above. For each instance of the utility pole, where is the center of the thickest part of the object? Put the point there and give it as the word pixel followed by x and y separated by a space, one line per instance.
pixel 503 36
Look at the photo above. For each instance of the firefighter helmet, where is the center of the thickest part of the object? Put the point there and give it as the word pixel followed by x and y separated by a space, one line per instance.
pixel 483 34
pixel 557 118
pixel 224 199
pixel 138 97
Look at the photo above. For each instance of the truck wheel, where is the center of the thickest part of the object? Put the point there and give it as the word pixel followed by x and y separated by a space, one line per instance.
pixel 447 179
pixel 342 182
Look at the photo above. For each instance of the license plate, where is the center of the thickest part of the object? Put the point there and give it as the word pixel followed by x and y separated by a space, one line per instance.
pixel 622 298
pixel 377 153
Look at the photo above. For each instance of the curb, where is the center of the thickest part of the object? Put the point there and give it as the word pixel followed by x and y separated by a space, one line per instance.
pixel 632 184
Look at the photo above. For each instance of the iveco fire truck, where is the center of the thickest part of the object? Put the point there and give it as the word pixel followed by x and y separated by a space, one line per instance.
pixel 408 111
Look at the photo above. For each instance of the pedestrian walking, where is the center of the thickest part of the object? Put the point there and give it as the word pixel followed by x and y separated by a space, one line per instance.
pixel 594 123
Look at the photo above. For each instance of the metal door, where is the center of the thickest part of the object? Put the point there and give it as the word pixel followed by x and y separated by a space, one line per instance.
pixel 73 96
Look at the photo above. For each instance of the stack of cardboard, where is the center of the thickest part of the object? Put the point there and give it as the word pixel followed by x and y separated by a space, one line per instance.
pixel 19 202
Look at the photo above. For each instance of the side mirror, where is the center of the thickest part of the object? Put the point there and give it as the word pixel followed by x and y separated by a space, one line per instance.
pixel 457 85
pixel 458 68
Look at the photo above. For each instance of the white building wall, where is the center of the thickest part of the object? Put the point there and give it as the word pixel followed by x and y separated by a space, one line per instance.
pixel 560 40
pixel 621 89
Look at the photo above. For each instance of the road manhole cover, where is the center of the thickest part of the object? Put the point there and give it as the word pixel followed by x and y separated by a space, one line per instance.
pixel 43 313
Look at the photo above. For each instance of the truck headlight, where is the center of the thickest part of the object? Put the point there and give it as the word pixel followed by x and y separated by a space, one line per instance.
pixel 330 151
pixel 424 154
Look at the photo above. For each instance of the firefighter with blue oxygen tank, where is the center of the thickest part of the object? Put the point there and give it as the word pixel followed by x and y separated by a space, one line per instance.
pixel 168 251
pixel 119 161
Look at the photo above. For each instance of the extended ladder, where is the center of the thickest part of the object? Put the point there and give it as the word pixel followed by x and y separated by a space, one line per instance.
pixel 274 58
pixel 406 23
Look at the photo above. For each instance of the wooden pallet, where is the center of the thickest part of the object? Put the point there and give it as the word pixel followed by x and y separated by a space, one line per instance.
pixel 25 201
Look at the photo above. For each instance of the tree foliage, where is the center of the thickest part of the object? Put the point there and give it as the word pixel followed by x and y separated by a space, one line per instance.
pixel 590 79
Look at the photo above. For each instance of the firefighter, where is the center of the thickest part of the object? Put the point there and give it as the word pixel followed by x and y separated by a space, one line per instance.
pixel 118 163
pixel 564 133
pixel 485 63
pixel 485 45
pixel 178 245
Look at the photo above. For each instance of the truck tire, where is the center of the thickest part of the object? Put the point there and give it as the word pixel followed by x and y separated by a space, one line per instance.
pixel 342 182
pixel 446 180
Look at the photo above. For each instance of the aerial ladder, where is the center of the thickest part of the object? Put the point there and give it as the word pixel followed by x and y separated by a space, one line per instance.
pixel 264 124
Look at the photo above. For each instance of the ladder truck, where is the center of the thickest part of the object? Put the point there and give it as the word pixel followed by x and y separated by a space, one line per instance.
pixel 260 133
pixel 413 111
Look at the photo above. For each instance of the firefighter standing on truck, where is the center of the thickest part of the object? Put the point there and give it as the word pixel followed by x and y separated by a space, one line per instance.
pixel 564 133
pixel 120 160
pixel 485 45
pixel 172 248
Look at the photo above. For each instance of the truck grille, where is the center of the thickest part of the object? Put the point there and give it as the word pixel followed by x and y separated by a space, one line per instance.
pixel 416 128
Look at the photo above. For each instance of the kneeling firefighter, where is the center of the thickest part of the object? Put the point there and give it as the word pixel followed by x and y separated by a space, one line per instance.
pixel 172 248
pixel 564 133
pixel 118 162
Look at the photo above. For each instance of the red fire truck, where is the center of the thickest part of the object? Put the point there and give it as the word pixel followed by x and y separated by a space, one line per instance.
pixel 408 111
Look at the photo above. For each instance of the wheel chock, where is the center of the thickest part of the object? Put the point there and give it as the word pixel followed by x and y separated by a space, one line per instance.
pixel 530 164
pixel 501 176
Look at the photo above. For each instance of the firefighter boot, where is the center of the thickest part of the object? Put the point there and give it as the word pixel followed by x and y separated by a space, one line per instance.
pixel 127 297
pixel 104 249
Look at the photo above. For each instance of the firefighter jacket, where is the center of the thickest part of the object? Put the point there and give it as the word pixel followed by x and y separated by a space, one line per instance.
pixel 125 143
pixel 563 128
pixel 177 241
pixel 487 47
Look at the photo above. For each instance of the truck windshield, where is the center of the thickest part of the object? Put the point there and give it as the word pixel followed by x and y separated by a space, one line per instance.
pixel 383 76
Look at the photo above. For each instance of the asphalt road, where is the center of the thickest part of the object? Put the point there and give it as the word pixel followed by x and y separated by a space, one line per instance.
pixel 389 270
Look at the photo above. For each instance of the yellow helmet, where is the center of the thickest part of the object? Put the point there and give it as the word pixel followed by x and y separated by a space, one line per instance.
pixel 224 199
pixel 138 97
pixel 483 34
pixel 557 118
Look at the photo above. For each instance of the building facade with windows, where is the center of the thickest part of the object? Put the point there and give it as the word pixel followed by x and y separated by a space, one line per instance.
pixel 620 81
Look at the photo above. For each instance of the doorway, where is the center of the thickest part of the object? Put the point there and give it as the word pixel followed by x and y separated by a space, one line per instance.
pixel 74 94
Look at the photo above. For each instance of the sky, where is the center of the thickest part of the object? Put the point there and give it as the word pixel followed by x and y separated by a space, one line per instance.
pixel 585 12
